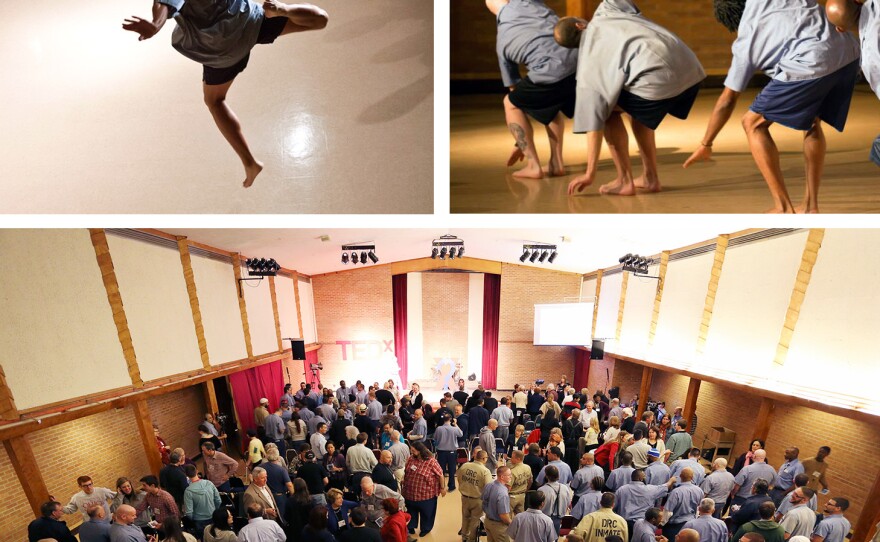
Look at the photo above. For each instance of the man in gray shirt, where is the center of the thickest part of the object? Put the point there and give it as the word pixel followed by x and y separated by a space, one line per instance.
pixel 629 64
pixel 220 35
pixel 372 495
pixel 547 93
pixel 747 476
pixel 504 416
pixel 813 70
pixel 711 529
pixel 718 484
pixel 533 525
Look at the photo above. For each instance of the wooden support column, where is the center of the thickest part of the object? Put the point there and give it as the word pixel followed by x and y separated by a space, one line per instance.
pixel 210 397
pixel 870 514
pixel 242 307
pixel 8 410
pixel 690 402
pixel 148 439
pixel 111 285
pixel 644 391
pixel 274 296
pixel 714 277
pixel 621 305
pixel 189 278
pixel 765 418
pixel 299 318
pixel 596 304
pixel 799 292
pixel 29 476
pixel 664 263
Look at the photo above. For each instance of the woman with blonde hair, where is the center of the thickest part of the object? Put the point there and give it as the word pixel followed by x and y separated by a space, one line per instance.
pixel 613 429
pixel 591 437
pixel 516 440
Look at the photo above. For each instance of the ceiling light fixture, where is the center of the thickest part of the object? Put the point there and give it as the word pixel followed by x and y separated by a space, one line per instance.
pixel 366 251
pixel 538 252
pixel 447 245
pixel 637 265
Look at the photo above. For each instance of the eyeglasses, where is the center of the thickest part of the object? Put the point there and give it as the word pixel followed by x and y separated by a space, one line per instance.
pixel 87 484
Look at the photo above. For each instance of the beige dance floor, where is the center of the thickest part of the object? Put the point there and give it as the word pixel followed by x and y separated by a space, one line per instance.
pixel 731 183
pixel 96 122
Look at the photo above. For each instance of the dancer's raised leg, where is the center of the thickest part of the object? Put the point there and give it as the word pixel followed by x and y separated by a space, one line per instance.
pixel 301 17
pixel 227 122
pixel 814 158
pixel 766 156
pixel 523 136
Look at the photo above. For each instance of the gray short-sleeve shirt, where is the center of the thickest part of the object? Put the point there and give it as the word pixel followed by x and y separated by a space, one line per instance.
pixel 869 35
pixel 215 33
pixel 789 40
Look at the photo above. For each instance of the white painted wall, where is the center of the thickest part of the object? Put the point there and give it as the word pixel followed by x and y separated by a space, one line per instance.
pixel 307 308
pixel 588 288
pixel 57 336
pixel 609 306
pixel 638 309
pixel 753 295
pixel 261 319
pixel 286 298
pixel 157 307
pixel 218 303
pixel 475 325
pixel 681 309
pixel 414 337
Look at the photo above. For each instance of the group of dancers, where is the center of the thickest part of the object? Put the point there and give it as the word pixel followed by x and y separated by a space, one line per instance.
pixel 621 62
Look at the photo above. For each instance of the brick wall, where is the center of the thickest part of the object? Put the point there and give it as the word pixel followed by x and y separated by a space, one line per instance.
pixel 104 446
pixel 16 512
pixel 473 34
pixel 519 361
pixel 444 317
pixel 353 305
pixel 601 374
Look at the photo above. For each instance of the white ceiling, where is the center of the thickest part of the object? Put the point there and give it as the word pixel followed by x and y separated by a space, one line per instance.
pixel 586 249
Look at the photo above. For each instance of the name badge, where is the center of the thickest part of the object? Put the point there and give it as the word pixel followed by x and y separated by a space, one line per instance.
pixel 413 468
pixel 341 523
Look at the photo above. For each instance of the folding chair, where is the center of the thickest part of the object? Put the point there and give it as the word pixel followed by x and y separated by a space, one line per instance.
pixel 462 456
pixel 538 418
pixel 377 453
pixel 566 524
pixel 290 454
pixel 530 426
pixel 500 447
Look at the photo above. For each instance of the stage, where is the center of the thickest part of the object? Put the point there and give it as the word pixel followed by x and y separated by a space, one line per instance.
pixel 481 183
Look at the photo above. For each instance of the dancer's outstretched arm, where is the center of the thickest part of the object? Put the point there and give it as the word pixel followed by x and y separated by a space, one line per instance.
pixel 720 115
pixel 147 29
pixel 594 147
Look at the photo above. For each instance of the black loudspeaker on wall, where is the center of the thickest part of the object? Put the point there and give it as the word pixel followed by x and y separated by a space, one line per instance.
pixel 298 346
pixel 598 349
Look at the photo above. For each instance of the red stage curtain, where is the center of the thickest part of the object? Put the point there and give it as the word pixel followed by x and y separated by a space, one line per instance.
pixel 250 385
pixel 491 317
pixel 581 369
pixel 311 357
pixel 398 289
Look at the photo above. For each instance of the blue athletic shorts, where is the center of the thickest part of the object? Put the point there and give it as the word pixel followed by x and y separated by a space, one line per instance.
pixel 875 151
pixel 652 112
pixel 796 104
pixel 270 29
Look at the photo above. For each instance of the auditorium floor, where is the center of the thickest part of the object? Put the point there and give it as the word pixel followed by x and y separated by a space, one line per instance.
pixel 731 183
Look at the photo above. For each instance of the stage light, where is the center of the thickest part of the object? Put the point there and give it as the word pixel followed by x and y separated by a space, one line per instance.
pixel 538 252
pixel 366 251
pixel 434 253
pixel 443 253
pixel 461 251
pixel 262 267
pixel 447 245
pixel 635 264
pixel 452 253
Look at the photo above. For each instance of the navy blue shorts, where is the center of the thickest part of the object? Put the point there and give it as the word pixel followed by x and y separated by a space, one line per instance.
pixel 652 112
pixel 875 151
pixel 797 104
pixel 544 102
pixel 270 29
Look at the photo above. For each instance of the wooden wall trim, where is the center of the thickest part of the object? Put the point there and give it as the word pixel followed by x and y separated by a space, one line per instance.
pixel 596 302
pixel 620 306
pixel 760 392
pixel 242 307
pixel 274 297
pixel 114 298
pixel 870 514
pixel 8 410
pixel 189 278
pixel 765 419
pixel 690 401
pixel 465 264
pixel 644 390
pixel 21 455
pixel 658 297
pixel 299 318
pixel 712 290
pixel 799 292
pixel 41 420
pixel 144 423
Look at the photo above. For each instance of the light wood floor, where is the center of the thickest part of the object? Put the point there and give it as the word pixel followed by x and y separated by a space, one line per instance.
pixel 731 183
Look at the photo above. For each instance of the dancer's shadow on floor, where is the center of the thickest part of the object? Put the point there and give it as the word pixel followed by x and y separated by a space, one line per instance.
pixel 400 102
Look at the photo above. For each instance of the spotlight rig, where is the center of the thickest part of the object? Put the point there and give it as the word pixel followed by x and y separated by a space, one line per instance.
pixel 538 252
pixel 257 269
pixel 637 265
pixel 447 246
pixel 366 251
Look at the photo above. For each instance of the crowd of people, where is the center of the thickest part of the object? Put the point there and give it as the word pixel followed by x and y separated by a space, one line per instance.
pixel 369 463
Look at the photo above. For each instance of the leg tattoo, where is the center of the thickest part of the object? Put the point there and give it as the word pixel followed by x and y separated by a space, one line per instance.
pixel 519 135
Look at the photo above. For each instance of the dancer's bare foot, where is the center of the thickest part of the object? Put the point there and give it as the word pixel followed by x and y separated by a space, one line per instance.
pixel 531 171
pixel 516 155
pixel 554 169
pixel 779 211
pixel 802 209
pixel 643 183
pixel 251 173
pixel 618 187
